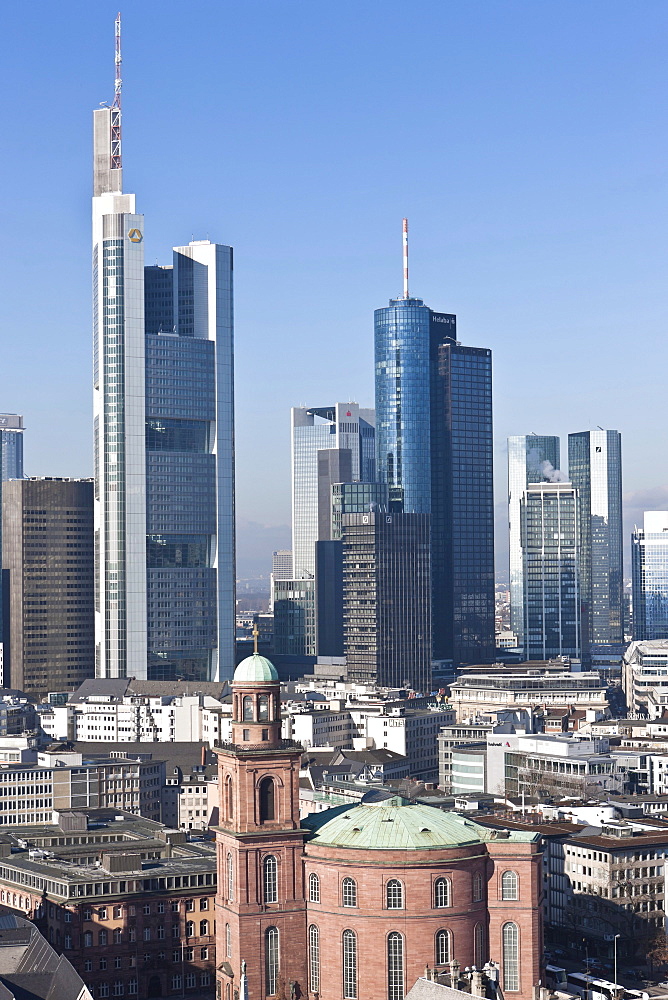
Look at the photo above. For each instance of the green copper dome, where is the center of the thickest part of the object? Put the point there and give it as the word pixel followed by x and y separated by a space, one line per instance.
pixel 395 824
pixel 255 669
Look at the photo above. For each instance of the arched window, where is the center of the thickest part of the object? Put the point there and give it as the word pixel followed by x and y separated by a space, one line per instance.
pixel 270 879
pixel 203 928
pixel 349 965
pixel 349 892
pixel 267 808
pixel 442 947
pixel 230 877
pixel 479 946
pixel 313 888
pixel 509 885
pixel 229 794
pixel 118 936
pixel 248 708
pixel 395 966
pixel 271 960
pixel 314 958
pixel 441 892
pixel 190 928
pixel 394 894
pixel 228 941
pixel 511 957
pixel 263 708
pixel 228 992
pixel 477 887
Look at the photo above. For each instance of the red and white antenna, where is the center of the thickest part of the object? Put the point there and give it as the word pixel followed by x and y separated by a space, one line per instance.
pixel 406 258
pixel 116 162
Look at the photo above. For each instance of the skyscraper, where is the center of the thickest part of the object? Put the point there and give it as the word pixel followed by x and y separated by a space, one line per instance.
pixel 550 536
pixel 595 469
pixel 11 446
pixel 163 427
pixel 49 569
pixel 532 458
pixel 344 433
pixel 387 599
pixel 649 558
pixel 434 451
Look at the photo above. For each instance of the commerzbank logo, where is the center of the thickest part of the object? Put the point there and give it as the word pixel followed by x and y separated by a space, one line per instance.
pixel 135 236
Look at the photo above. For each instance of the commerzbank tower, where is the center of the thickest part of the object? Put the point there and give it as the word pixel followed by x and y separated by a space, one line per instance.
pixel 163 391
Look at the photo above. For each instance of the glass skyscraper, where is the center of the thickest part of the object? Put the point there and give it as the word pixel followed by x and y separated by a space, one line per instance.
pixel 550 536
pixel 649 560
pixel 527 458
pixel 595 469
pixel 163 431
pixel 434 452
pixel 11 446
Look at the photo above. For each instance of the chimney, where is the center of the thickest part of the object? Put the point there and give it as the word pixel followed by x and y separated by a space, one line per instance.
pixel 477 986
pixel 454 974
pixel 203 756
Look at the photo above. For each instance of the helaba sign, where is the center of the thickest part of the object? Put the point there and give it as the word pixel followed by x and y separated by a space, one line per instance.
pixel 442 318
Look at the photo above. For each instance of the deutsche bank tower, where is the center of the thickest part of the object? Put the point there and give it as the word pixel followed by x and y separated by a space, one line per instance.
pixel 164 441
pixel 434 451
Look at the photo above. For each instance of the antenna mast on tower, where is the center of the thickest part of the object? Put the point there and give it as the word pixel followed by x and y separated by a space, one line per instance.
pixel 116 161
pixel 406 258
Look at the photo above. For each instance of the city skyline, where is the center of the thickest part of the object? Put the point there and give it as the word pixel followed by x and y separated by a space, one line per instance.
pixel 538 290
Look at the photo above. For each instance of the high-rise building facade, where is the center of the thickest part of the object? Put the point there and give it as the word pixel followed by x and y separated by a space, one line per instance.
pixel 649 559
pixel 532 458
pixel 49 571
pixel 434 452
pixel 595 470
pixel 11 446
pixel 346 433
pixel 550 537
pixel 387 599
pixel 164 431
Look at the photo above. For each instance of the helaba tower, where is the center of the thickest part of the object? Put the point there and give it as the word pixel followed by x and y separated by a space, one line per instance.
pixel 434 451
pixel 163 405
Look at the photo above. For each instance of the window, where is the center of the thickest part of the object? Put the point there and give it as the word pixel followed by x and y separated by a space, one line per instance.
pixel 271 960
pixel 118 912
pixel 442 947
pixel 87 914
pixel 68 941
pixel 509 885
pixel 177 982
pixel 441 892
pixel 118 936
pixel 103 989
pixel 248 709
pixel 118 990
pixel 270 879
pixel 176 957
pixel 118 963
pixel 204 904
pixel 511 965
pixel 204 978
pixel 188 954
pixel 314 958
pixel 394 894
pixel 132 934
pixel 102 938
pixel 263 708
pixel 229 795
pixel 190 905
pixel 313 888
pixel 228 941
pixel 147 908
pixel 161 907
pixel 175 931
pixel 147 934
pixel 88 939
pixel 230 877
pixel 204 954
pixel 132 987
pixel 102 913
pixel 175 906
pixel 203 928
pixel 191 980
pixel 190 929
pixel 349 965
pixel 88 965
pixel 267 806
pixel 349 887
pixel 395 966
pixel 479 946
pixel 477 887
pixel 161 933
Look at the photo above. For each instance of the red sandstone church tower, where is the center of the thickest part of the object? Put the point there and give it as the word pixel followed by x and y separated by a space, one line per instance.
pixel 261 911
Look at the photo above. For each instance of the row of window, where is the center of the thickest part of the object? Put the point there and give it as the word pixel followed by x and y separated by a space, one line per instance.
pixel 118 989
pixel 394 889
pixel 148 933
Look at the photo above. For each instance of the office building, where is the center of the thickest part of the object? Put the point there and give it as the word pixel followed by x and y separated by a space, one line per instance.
pixel 356 498
pixel 595 470
pixel 387 599
pixel 532 458
pixel 649 561
pixel 294 617
pixel 49 573
pixel 11 446
pixel 163 426
pixel 434 452
pixel 475 693
pixel 550 546
pixel 281 569
pixel 645 677
pixel 330 444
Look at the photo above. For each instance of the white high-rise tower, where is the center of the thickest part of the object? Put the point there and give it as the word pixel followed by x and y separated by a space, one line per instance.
pixel 164 440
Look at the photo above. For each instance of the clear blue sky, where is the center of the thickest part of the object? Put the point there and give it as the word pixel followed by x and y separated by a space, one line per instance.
pixel 526 142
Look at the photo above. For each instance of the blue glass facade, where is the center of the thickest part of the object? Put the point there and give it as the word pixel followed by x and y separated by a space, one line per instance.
pixel 649 560
pixel 434 451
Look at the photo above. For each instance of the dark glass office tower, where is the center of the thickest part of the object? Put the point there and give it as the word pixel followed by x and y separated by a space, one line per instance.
pixel 387 599
pixel 595 469
pixel 434 451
